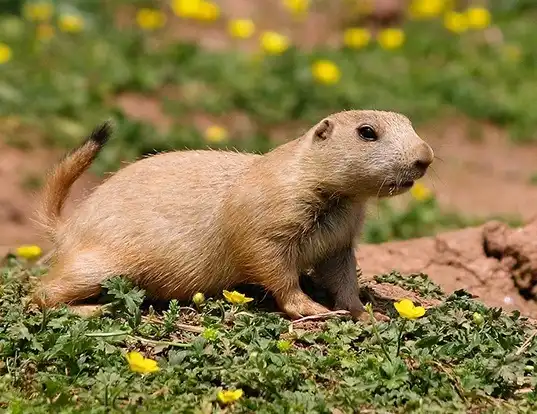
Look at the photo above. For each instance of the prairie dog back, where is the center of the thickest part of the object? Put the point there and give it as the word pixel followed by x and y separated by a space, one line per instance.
pixel 160 214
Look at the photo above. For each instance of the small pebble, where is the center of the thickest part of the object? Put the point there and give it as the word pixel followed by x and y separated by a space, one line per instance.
pixel 508 300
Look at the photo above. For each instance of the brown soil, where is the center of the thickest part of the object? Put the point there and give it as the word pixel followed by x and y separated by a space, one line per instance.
pixel 485 175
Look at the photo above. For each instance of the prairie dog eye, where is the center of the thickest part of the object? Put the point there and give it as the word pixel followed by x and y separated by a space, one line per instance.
pixel 367 133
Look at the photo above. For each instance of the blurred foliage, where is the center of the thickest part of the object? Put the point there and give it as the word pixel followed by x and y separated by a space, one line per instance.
pixel 487 74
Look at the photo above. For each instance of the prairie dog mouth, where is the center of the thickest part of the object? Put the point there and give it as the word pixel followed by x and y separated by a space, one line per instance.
pixel 405 185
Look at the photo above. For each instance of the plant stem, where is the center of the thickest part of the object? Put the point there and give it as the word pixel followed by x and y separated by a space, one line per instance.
pixel 106 395
pixel 108 334
pixel 400 337
pixel 44 319
pixel 138 338
pixel 377 335
pixel 155 342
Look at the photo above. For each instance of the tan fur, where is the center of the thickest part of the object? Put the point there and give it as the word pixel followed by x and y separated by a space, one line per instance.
pixel 58 184
pixel 201 221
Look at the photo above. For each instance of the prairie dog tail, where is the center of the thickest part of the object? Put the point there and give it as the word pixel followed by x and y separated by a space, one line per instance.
pixel 65 173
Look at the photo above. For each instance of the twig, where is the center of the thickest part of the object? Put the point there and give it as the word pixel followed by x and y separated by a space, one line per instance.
pixel 453 379
pixel 524 390
pixel 526 343
pixel 137 338
pixel 155 342
pixel 321 316
pixel 244 313
pixel 189 328
pixel 188 308
pixel 107 334
pixel 181 326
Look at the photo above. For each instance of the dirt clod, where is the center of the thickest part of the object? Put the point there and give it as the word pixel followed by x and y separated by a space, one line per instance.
pixel 494 262
pixel 516 250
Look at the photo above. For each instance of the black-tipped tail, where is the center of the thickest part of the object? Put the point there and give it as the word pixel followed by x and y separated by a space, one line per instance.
pixel 66 172
pixel 101 134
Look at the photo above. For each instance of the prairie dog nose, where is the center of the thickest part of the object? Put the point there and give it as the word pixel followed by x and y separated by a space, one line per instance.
pixel 424 157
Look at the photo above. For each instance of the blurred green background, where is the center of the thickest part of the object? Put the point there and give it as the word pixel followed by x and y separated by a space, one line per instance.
pixel 251 74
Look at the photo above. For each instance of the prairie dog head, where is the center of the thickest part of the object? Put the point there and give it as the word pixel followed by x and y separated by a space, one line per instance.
pixel 370 153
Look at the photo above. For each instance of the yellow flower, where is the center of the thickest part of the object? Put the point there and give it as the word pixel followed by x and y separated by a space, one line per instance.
pixel 229 396
pixel 207 11
pixel 408 310
pixel 44 32
pixel 71 23
pixel 426 9
pixel 150 19
pixel 5 53
pixel 456 22
pixel 274 43
pixel 325 71
pixel 478 18
pixel 198 298
pixel 391 38
pixel 241 28
pixel 356 37
pixel 38 11
pixel 297 7
pixel 138 363
pixel 29 252
pixel 186 8
pixel 236 298
pixel 420 192
pixel 216 134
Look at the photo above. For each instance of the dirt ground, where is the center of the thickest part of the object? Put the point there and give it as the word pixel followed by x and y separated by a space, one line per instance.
pixel 493 262
pixel 480 177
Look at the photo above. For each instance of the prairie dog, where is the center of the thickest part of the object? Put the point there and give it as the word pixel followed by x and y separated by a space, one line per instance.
pixel 190 221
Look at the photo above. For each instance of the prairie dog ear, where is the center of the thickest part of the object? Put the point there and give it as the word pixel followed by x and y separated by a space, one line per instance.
pixel 323 130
